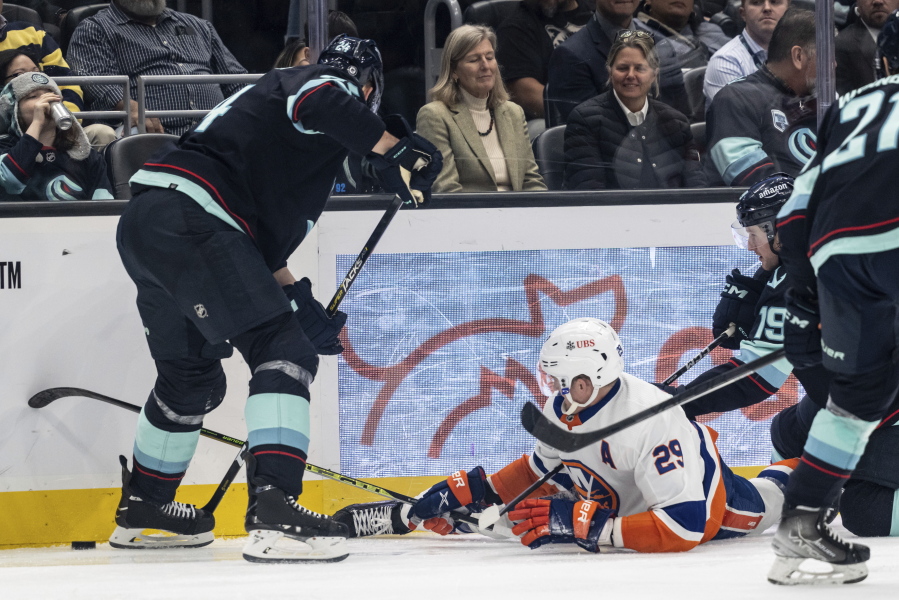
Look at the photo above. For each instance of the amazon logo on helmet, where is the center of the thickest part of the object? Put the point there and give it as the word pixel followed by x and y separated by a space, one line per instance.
pixel 359 59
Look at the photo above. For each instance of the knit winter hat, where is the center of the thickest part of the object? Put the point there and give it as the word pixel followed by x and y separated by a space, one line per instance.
pixel 20 87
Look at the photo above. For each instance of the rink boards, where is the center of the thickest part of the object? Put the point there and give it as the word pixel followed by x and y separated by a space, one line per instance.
pixel 445 324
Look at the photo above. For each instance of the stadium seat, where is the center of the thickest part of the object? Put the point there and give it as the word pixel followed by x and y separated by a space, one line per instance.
pixel 698 131
pixel 489 12
pixel 549 152
pixel 404 92
pixel 73 18
pixel 14 12
pixel 126 155
pixel 693 82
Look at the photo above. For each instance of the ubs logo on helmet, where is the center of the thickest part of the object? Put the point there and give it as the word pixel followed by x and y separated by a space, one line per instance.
pixel 803 144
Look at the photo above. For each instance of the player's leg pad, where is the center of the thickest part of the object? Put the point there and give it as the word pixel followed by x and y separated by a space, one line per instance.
pixel 143 524
pixel 808 552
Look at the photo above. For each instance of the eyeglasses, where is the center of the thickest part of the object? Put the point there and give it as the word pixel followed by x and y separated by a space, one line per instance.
pixel 626 34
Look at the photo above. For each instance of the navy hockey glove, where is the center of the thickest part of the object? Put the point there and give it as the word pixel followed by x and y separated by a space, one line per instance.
pixel 802 332
pixel 739 299
pixel 321 329
pixel 460 490
pixel 545 521
pixel 409 169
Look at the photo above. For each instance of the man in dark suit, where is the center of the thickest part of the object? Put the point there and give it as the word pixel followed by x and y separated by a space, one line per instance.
pixel 577 68
pixel 855 45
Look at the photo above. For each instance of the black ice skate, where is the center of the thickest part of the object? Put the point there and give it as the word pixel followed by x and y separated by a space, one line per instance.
pixel 274 516
pixel 802 535
pixel 373 518
pixel 177 525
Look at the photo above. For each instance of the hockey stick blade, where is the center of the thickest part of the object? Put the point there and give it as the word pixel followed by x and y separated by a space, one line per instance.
pixel 45 397
pixel 539 426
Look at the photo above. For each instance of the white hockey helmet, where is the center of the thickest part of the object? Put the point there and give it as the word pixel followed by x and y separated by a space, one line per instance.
pixel 588 347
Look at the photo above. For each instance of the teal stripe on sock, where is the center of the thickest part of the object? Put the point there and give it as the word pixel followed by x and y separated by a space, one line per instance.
pixel 279 435
pixel 894 525
pixel 838 440
pixel 161 450
pixel 276 414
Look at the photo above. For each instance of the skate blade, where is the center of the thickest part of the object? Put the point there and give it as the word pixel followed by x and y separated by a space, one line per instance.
pixel 264 547
pixel 151 539
pixel 793 571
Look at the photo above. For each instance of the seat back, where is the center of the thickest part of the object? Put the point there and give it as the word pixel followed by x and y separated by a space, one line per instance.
pixel 489 12
pixel 125 156
pixel 698 131
pixel 72 19
pixel 693 82
pixel 549 152
pixel 14 12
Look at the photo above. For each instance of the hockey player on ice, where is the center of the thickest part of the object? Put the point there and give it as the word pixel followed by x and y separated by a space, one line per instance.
pixel 840 243
pixel 755 304
pixel 658 486
pixel 206 238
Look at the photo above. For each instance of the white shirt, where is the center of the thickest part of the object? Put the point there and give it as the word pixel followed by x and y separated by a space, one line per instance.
pixel 634 118
pixel 731 62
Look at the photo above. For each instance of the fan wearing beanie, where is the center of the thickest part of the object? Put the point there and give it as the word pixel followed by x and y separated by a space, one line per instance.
pixel 39 161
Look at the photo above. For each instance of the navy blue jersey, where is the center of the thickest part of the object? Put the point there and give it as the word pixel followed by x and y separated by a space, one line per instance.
pixel 757 127
pixel 264 160
pixel 767 335
pixel 844 202
pixel 31 171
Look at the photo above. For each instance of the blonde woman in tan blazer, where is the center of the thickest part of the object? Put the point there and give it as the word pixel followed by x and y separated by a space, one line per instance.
pixel 482 135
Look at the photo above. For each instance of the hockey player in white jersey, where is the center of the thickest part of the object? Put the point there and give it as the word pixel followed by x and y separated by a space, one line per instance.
pixel 659 486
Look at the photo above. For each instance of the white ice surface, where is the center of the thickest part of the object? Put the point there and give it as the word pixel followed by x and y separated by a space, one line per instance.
pixel 424 566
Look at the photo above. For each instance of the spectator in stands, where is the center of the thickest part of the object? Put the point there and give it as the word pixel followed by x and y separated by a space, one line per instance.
pixel 692 39
pixel 482 135
pixel 766 123
pixel 40 161
pixel 143 37
pixel 20 60
pixel 296 53
pixel 623 139
pixel 578 71
pixel 744 54
pixel 526 41
pixel 856 45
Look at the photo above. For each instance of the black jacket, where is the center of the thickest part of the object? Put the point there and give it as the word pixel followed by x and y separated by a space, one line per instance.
pixel 854 51
pixel 602 150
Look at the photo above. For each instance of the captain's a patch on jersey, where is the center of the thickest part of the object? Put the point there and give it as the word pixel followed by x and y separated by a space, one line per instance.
pixel 780 120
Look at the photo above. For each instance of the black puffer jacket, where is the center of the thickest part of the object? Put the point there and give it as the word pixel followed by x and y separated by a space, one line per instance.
pixel 602 150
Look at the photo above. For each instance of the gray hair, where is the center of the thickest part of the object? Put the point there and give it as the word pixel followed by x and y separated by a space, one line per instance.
pixel 460 42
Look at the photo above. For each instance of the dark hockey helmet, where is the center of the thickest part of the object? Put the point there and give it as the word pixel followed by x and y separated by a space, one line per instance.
pixel 759 205
pixel 361 60
pixel 888 45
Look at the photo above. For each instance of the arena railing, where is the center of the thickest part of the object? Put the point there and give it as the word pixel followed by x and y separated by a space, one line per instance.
pixel 379 202
pixel 432 52
pixel 124 115
pixel 144 80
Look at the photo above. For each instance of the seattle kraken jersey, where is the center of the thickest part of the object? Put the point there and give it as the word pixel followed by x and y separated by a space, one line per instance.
pixel 265 159
pixel 758 127
pixel 845 202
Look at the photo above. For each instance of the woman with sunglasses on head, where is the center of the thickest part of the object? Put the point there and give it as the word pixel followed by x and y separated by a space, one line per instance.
pixel 623 139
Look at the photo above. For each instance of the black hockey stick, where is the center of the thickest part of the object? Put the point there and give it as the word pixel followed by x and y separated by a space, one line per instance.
pixel 539 426
pixel 45 397
pixel 731 329
pixel 369 247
